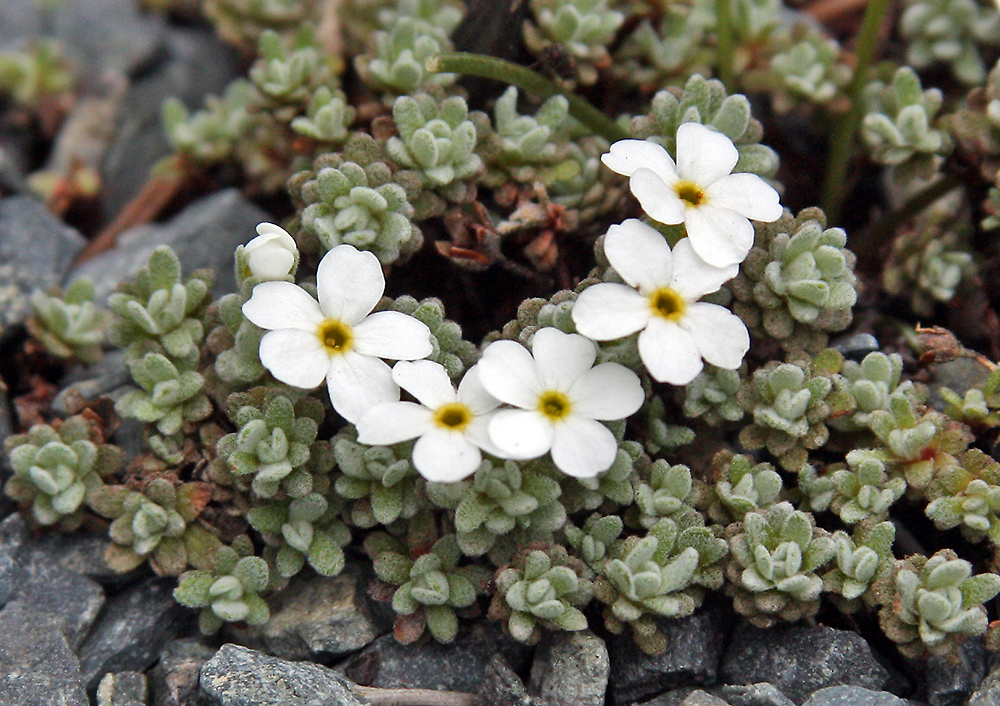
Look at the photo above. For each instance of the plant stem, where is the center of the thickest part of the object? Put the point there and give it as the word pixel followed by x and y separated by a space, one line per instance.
pixel 724 42
pixel 531 81
pixel 842 142
pixel 414 697
pixel 883 227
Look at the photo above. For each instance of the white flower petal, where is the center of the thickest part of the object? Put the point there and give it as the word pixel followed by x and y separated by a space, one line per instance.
pixel 640 254
pixel 445 456
pixel 349 283
pixel 425 380
pixel 267 263
pixel 277 232
pixel 521 434
pixel 278 305
pixel 693 277
pixel 748 195
pixel 478 433
pixel 609 310
pixel 272 254
pixel 393 335
pixel 669 353
pixel 473 395
pixel 561 358
pixel 704 155
pixel 719 236
pixel 607 391
pixel 393 422
pixel 658 200
pixel 626 156
pixel 294 357
pixel 582 448
pixel 357 383
pixel 719 334
pixel 508 372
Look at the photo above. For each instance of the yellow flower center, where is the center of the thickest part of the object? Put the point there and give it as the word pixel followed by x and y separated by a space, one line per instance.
pixel 336 336
pixel 453 416
pixel 690 192
pixel 554 405
pixel 667 303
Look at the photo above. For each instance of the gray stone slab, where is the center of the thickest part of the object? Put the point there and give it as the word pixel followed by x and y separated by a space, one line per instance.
pixel 49 588
pixel 13 541
pixel 457 666
pixel 38 667
pixel 571 669
pixel 108 36
pixel 132 631
pixel 502 687
pixel 195 64
pixel 950 681
pixel 203 235
pixel 36 251
pixel 320 617
pixel 801 660
pixel 123 689
pixel 174 679
pixel 853 696
pixel 695 649
pixel 238 676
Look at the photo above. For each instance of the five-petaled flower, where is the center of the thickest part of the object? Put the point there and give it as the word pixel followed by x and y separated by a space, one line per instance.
pixel 560 396
pixel 677 330
pixel 272 255
pixel 450 427
pixel 337 338
pixel 698 190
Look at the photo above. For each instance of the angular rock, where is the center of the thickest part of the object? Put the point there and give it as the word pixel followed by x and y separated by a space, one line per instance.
pixel 238 676
pixel 19 20
pixel 13 165
pixel 196 64
pixel 36 251
pixel 458 666
pixel 695 648
pixel 79 553
pixel 132 630
pixel 49 588
pixel 853 696
pixel 752 695
pixel 571 669
pixel 108 36
pixel 702 698
pixel 988 693
pixel 37 664
pixel 13 541
pixel 674 697
pixel 122 689
pixel 174 679
pixel 951 683
pixel 327 617
pixel 502 687
pixel 204 234
pixel 801 660
pixel 744 695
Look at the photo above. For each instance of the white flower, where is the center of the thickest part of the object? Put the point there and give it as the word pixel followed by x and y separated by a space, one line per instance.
pixel 272 255
pixel 451 426
pixel 560 395
pixel 698 191
pixel 678 331
pixel 336 338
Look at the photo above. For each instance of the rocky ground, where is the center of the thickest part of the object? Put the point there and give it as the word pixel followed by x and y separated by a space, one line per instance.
pixel 75 633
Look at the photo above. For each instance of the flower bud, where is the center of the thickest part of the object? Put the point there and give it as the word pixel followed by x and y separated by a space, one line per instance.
pixel 272 255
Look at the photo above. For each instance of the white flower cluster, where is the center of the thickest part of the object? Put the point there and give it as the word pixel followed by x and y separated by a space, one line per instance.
pixel 516 403
pixel 678 332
